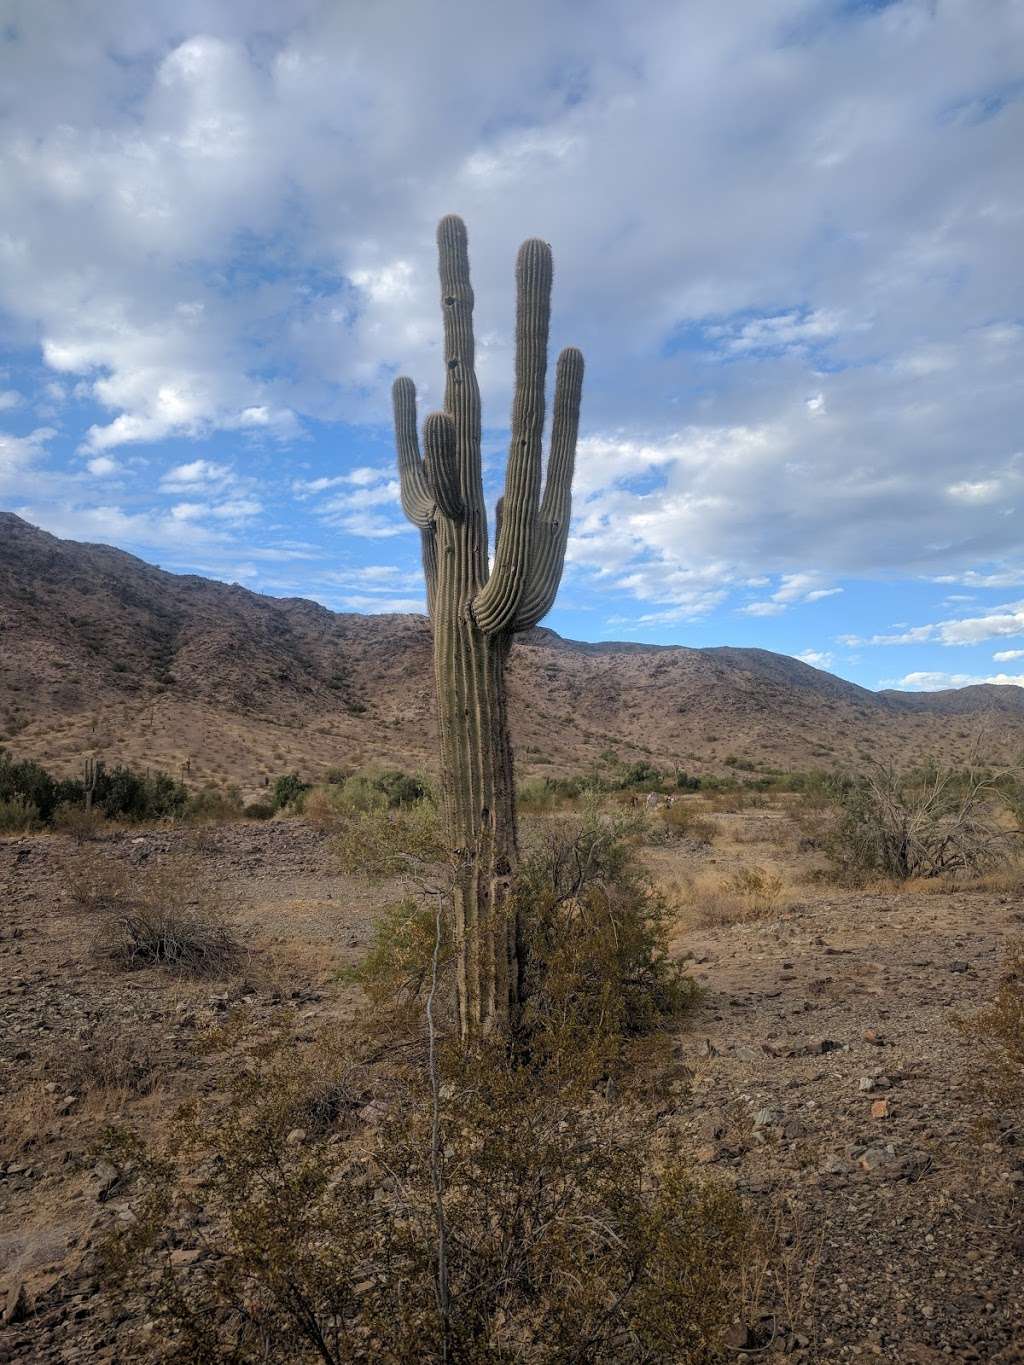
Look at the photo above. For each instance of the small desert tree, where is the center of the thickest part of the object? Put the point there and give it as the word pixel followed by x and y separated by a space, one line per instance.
pixel 475 610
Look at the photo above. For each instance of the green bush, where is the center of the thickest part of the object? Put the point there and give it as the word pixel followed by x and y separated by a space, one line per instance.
pixel 258 810
pixel 18 815
pixel 120 792
pixel 213 803
pixel 288 791
pixel 387 843
pixel 595 964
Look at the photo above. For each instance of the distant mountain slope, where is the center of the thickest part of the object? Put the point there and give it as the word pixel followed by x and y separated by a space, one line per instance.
pixel 102 652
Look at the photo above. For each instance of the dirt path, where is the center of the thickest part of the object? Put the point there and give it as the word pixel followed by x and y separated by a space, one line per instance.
pixel 830 1081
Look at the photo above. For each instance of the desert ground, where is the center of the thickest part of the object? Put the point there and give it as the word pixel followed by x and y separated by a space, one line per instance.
pixel 830 1076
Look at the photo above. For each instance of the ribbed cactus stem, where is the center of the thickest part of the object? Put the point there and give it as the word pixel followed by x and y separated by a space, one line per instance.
pixel 474 616
pixel 89 777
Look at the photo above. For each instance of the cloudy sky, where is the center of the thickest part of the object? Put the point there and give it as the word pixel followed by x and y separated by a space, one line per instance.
pixel 787 237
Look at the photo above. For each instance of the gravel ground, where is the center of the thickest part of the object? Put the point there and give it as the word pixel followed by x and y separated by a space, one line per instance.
pixel 831 1082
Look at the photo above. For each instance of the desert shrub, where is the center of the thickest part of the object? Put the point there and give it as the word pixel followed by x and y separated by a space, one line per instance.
pixel 925 822
pixel 288 791
pixel 125 794
pixel 334 777
pixel 108 1058
pixel 594 956
pixel 381 843
pixel 687 782
pixel 750 893
pixel 26 783
pixel 377 1197
pixel 120 793
pixel 683 821
pixel 80 823
pixel 258 810
pixel 156 915
pixel 211 804
pixel 401 789
pixel 397 967
pixel 18 815
pixel 494 1213
pixel 535 796
pixel 1000 1028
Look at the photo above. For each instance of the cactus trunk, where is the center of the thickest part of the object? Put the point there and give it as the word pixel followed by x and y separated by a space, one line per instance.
pixel 475 611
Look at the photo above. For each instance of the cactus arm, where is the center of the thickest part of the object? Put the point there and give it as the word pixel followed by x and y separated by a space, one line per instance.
pixel 441 463
pixel 556 507
pixel 496 605
pixel 461 392
pixel 428 552
pixel 417 499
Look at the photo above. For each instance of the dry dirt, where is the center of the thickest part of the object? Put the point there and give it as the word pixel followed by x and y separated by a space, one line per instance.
pixel 831 1082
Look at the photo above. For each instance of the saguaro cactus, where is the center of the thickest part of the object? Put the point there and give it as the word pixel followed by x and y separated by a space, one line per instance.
pixel 476 610
pixel 90 775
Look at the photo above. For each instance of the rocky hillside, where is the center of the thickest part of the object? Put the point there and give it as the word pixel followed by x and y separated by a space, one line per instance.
pixel 103 653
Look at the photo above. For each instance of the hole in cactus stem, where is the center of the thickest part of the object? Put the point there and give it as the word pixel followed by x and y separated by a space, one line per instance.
pixel 449 300
pixel 453 364
pixel 485 815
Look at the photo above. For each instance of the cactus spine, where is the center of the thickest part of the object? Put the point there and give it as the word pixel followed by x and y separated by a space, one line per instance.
pixel 475 612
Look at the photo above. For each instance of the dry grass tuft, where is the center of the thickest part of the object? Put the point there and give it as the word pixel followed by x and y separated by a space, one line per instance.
pixel 751 893
pixel 157 915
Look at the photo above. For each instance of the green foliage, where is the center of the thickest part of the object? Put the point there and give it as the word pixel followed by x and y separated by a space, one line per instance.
pixel 120 793
pixel 212 803
pixel 397 967
pixel 595 961
pixel 30 785
pixel 18 815
pixel 380 843
pixel 288 790
pixel 123 793
pixel 687 782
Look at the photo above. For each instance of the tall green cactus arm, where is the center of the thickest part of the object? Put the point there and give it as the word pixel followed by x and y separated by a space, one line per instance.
pixel 440 463
pixel 496 605
pixel 556 507
pixel 461 392
pixel 417 500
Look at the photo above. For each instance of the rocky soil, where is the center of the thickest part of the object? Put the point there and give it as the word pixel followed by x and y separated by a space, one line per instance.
pixel 831 1081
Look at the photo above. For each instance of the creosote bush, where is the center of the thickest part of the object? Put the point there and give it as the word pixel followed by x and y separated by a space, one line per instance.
pixel 381 843
pixel 387 1195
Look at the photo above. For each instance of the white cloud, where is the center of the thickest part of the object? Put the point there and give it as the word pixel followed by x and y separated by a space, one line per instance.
pixel 977 490
pixel 20 454
pixel 817 658
pixel 10 398
pixel 938 682
pixel 969 630
pixel 102 465
pixel 1005 656
pixel 219 219
pixel 196 474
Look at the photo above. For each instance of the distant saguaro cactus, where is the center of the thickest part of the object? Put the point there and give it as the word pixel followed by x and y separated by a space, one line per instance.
pixel 90 775
pixel 475 611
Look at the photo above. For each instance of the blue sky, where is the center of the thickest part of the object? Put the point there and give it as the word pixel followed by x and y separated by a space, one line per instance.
pixel 786 236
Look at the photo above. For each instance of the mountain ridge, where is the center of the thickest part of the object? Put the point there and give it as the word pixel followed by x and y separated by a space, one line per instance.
pixel 102 652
